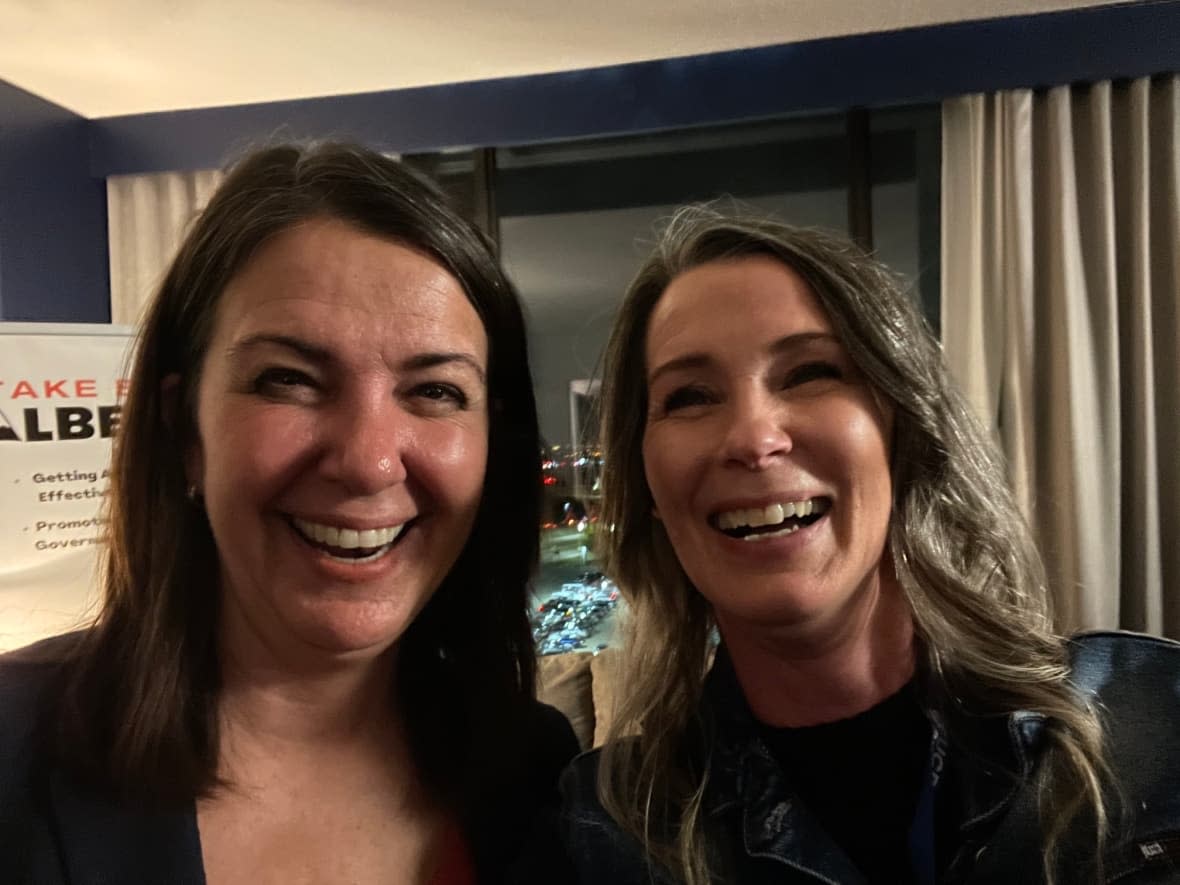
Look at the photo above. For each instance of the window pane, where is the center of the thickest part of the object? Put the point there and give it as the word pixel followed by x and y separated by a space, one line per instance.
pixel 906 165
pixel 454 172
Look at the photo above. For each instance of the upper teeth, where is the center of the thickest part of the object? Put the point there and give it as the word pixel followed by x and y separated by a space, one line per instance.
pixel 348 539
pixel 770 515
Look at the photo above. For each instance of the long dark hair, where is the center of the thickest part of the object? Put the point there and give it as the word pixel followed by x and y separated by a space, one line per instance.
pixel 138 708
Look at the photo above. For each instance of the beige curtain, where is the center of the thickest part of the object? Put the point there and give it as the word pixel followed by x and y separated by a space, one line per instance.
pixel 1060 283
pixel 146 216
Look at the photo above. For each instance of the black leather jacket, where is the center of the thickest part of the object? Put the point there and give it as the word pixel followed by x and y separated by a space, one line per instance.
pixel 763 834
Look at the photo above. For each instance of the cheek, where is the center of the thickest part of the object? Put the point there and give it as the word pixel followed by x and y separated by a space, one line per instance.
pixel 253 445
pixel 668 474
pixel 868 447
pixel 456 457
pixel 652 470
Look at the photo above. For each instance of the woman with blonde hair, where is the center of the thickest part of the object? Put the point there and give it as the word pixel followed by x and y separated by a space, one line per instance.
pixel 789 464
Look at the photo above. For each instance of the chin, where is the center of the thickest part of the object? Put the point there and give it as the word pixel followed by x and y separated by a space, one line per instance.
pixel 341 630
pixel 773 609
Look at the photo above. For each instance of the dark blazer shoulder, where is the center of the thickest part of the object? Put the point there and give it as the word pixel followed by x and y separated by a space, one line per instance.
pixel 514 833
pixel 27 842
pixel 55 829
pixel 550 739
pixel 28 677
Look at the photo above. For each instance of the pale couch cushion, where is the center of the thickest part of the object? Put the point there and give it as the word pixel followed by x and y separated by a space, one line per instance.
pixel 603 671
pixel 564 682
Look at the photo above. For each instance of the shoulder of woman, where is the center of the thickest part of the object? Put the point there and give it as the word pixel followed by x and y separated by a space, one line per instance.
pixel 27 676
pixel 600 849
pixel 550 739
pixel 586 827
pixel 1107 661
pixel 516 834
pixel 579 790
pixel 26 673
pixel 1134 682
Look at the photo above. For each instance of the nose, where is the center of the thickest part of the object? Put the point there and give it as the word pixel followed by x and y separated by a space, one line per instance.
pixel 758 431
pixel 366 437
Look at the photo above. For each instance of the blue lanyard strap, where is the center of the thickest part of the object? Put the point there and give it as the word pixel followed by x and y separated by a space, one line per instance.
pixel 922 853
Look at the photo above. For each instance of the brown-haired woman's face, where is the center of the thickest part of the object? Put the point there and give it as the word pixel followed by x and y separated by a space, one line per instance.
pixel 765 451
pixel 342 428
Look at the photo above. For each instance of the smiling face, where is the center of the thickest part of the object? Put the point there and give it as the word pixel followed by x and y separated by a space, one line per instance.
pixel 342 427
pixel 766 454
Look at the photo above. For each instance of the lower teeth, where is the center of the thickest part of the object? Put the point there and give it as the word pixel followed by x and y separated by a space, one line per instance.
pixel 775 534
pixel 380 551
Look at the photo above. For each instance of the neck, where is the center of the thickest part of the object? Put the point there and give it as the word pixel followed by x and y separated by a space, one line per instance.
pixel 271 693
pixel 334 705
pixel 816 672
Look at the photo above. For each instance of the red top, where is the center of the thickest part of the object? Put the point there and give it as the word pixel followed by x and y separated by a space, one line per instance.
pixel 455 865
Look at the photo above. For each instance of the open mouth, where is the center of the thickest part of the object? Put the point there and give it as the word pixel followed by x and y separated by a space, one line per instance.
pixel 772 521
pixel 348 545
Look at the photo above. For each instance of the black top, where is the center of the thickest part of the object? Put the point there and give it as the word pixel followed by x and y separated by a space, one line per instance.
pixel 861 779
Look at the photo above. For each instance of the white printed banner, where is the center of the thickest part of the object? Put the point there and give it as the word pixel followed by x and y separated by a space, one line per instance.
pixel 61 389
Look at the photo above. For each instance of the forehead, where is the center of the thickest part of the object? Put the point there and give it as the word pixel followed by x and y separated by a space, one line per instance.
pixel 332 280
pixel 740 302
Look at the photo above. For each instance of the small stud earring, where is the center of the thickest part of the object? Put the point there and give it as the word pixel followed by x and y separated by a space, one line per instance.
pixel 191 492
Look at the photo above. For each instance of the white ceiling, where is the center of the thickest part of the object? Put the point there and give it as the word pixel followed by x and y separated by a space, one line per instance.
pixel 109 57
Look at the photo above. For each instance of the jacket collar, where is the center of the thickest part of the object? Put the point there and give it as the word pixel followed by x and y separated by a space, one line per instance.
pixel 993 758
pixel 745 778
pixel 104 840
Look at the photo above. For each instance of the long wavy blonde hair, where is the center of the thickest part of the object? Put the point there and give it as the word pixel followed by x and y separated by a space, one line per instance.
pixel 965 558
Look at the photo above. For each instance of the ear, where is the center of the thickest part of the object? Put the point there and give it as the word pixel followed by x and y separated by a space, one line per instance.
pixel 192 453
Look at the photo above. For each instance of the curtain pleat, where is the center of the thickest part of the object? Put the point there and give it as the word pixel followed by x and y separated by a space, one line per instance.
pixel 147 217
pixel 1060 283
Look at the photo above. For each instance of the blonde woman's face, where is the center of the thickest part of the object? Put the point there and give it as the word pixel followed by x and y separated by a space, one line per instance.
pixel 766 454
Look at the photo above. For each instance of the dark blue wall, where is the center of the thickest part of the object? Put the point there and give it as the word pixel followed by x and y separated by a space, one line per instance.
pixel 53 215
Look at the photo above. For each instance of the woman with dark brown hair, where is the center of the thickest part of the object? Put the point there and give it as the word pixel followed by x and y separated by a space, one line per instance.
pixel 313 660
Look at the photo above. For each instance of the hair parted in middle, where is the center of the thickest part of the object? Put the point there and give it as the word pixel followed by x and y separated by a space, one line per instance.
pixel 968 567
pixel 139 704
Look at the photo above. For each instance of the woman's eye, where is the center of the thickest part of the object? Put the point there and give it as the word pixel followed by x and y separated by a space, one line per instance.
pixel 440 392
pixel 279 381
pixel 813 372
pixel 684 397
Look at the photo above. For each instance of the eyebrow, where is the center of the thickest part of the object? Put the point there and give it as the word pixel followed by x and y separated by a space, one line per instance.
pixel 320 354
pixel 430 360
pixel 697 360
pixel 304 348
